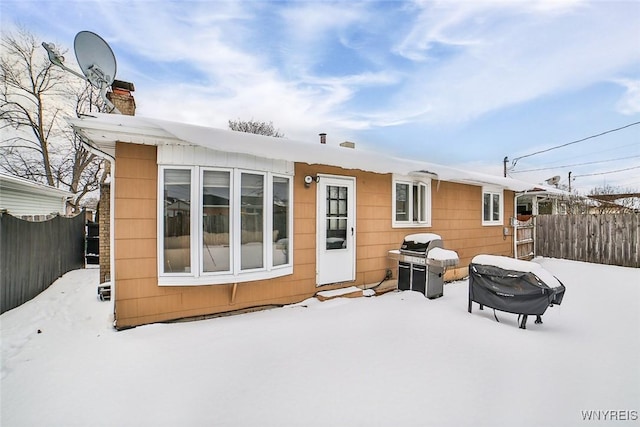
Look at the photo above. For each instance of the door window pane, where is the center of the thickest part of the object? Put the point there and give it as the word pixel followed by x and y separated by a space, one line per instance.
pixel 251 221
pixel 280 220
pixel 337 213
pixel 177 221
pixel 215 221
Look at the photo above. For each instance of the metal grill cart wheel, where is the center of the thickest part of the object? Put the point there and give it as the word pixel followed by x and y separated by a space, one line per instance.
pixel 513 286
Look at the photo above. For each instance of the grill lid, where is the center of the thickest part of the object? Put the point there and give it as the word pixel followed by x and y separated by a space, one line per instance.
pixel 421 242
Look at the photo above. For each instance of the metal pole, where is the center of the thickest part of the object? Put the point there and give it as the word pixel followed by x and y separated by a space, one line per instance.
pixel 506 159
pixel 569 182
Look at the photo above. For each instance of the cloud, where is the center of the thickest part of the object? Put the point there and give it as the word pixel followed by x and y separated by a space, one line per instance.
pixel 438 62
pixel 258 62
pixel 629 103
pixel 348 66
pixel 477 57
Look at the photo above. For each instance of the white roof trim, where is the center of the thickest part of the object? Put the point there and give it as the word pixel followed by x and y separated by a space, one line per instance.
pixel 104 130
pixel 17 183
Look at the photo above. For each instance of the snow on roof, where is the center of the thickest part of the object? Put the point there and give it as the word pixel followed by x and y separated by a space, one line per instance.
pixel 540 189
pixel 103 130
pixel 507 263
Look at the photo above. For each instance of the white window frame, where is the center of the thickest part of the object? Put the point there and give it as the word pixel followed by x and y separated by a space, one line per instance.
pixel 232 209
pixel 197 276
pixel 492 191
pixel 192 226
pixel 412 181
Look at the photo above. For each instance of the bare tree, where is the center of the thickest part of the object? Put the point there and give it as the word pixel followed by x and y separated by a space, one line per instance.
pixel 37 143
pixel 613 199
pixel 254 126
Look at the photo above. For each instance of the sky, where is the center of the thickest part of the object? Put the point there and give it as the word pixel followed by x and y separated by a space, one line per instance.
pixel 464 84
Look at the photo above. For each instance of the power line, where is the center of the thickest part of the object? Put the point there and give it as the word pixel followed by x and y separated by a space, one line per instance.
pixel 591 154
pixel 575 164
pixel 514 161
pixel 606 173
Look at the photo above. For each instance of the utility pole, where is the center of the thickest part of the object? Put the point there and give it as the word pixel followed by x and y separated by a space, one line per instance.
pixel 506 159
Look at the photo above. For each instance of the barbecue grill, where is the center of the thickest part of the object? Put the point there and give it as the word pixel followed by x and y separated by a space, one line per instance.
pixel 422 262
pixel 514 286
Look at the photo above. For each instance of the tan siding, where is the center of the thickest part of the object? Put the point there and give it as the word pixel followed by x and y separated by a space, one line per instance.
pixel 138 189
pixel 132 248
pixel 456 215
pixel 135 208
pixel 135 228
pixel 135 234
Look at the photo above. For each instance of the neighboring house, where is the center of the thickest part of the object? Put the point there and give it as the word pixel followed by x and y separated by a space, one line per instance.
pixel 539 200
pixel 209 221
pixel 30 200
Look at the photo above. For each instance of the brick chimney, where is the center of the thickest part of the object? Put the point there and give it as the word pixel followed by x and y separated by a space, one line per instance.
pixel 121 97
pixel 323 138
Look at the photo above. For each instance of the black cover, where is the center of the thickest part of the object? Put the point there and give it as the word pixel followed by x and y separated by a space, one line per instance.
pixel 512 291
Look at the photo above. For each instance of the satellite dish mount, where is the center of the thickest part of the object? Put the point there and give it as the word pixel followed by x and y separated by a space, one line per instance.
pixel 96 60
pixel 553 180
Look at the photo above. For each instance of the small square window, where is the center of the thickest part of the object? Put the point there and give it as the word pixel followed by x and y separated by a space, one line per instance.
pixel 492 206
pixel 411 202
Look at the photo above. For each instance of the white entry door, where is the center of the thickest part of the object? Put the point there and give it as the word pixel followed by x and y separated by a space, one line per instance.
pixel 335 242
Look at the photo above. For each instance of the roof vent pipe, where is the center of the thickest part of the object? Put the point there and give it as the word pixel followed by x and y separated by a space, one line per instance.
pixel 323 138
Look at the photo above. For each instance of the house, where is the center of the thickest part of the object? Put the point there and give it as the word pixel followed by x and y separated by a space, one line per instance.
pixel 30 200
pixel 538 200
pixel 209 221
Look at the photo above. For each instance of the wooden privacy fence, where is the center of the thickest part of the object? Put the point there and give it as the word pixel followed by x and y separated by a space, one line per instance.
pixel 34 254
pixel 612 239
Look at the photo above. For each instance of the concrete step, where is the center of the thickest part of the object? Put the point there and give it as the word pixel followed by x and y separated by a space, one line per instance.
pixel 356 292
pixel 350 292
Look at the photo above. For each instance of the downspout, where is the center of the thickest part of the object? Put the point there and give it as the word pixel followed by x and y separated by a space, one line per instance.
pixel 534 208
pixel 112 193
pixel 66 200
pixel 515 224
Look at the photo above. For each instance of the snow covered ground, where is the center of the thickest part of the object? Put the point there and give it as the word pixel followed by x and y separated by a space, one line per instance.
pixel 393 360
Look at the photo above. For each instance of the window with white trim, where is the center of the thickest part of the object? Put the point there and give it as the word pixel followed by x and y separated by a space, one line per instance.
pixel 222 225
pixel 411 202
pixel 492 206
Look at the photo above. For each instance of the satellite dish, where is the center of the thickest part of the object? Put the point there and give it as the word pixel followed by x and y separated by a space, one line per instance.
pixel 96 59
pixel 553 180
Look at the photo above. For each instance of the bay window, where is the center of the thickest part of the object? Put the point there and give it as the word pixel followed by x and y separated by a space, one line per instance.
pixel 216 220
pixel 177 221
pixel 223 225
pixel 281 219
pixel 251 220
